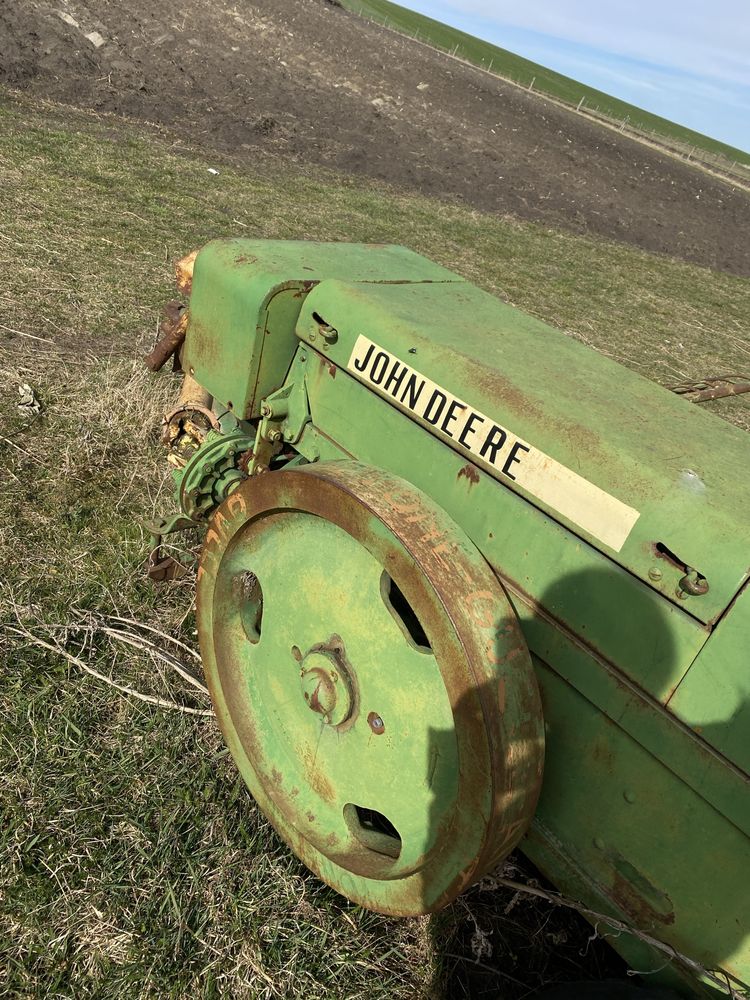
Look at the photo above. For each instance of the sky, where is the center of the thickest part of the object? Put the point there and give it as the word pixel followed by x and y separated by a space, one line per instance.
pixel 687 60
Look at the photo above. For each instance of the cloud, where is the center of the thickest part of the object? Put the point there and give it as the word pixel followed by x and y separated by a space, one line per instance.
pixel 684 60
pixel 695 37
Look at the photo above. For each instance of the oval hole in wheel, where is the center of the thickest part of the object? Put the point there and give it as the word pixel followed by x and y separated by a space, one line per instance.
pixel 404 614
pixel 251 604
pixel 373 830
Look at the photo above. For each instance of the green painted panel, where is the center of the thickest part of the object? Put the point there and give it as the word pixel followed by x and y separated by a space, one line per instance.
pixel 649 843
pixel 247 294
pixel 714 697
pixel 646 448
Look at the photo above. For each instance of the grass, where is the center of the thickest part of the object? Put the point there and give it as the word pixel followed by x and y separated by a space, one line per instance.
pixel 134 863
pixel 545 81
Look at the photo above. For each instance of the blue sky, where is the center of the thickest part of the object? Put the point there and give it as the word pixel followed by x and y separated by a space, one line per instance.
pixel 688 61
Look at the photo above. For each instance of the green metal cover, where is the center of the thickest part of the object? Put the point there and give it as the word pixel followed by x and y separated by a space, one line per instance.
pixel 246 297
pixel 667 472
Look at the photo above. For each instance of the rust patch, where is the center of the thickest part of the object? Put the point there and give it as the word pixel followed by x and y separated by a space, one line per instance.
pixel 712 388
pixel 470 473
pixel 307 285
pixel 172 330
pixel 183 273
pixel 320 784
pixel 277 776
pixel 332 370
pixel 629 892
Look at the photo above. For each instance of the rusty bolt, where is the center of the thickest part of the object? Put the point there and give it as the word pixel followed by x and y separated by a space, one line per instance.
pixel 265 409
pixel 376 723
pixel 329 333
pixel 274 435
pixel 693 583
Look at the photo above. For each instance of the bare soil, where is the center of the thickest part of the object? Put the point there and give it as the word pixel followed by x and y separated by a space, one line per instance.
pixel 319 85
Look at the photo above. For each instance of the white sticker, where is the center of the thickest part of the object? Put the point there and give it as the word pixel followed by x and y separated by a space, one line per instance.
pixel 493 447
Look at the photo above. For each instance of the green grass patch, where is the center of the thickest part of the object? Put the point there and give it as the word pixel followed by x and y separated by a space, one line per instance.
pixel 134 863
pixel 524 71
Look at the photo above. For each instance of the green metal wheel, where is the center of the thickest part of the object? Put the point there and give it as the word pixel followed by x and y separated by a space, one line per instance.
pixel 371 681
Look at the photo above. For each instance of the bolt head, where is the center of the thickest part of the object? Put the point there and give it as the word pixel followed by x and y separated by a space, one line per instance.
pixel 376 723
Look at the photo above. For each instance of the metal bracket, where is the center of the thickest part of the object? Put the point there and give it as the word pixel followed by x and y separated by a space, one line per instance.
pixel 163 567
pixel 284 415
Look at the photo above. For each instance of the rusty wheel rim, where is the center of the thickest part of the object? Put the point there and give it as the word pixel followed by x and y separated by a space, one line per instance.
pixel 371 681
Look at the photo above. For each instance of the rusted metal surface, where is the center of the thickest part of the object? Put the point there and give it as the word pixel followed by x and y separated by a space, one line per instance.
pixel 703 390
pixel 173 325
pixel 172 328
pixel 455 822
pixel 163 565
pixel 470 473
pixel 184 273
pixel 185 426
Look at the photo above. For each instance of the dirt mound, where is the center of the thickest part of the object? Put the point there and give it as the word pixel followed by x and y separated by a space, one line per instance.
pixel 310 80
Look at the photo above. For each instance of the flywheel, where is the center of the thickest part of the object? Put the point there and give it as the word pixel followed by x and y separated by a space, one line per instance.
pixel 371 681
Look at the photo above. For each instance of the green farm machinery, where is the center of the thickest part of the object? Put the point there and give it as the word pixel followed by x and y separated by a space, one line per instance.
pixel 466 586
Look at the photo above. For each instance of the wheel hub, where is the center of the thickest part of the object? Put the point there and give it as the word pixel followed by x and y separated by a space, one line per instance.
pixel 326 687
